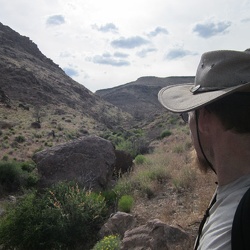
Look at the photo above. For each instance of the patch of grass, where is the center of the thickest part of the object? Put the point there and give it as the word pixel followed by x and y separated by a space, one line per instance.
pixel 143 179
pixel 165 133
pixel 140 159
pixel 125 203
pixel 185 180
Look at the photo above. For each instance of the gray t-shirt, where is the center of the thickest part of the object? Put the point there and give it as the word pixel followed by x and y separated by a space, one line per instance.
pixel 216 233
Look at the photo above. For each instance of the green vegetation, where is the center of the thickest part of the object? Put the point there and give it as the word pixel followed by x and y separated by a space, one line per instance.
pixel 20 139
pixel 62 217
pixel 125 203
pixel 132 141
pixel 16 175
pixel 165 133
pixel 140 159
pixel 111 242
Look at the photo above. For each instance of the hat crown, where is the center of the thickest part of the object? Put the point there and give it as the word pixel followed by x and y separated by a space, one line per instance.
pixel 222 69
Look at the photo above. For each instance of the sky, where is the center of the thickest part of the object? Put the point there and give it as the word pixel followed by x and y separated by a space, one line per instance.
pixel 105 43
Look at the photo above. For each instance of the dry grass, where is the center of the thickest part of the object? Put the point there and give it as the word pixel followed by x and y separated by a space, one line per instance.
pixel 179 192
pixel 67 126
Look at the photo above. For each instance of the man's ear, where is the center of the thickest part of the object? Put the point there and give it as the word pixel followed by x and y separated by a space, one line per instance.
pixel 204 121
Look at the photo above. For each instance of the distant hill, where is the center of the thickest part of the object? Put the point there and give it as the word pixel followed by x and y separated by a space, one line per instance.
pixel 140 98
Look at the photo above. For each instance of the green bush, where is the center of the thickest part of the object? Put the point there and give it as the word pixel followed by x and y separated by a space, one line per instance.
pixel 140 159
pixel 5 158
pixel 125 203
pixel 63 217
pixel 20 139
pixel 111 242
pixel 165 133
pixel 13 177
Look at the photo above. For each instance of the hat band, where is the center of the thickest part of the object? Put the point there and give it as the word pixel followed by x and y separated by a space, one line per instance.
pixel 198 89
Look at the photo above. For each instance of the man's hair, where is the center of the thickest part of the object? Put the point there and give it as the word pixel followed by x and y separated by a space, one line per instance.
pixel 233 111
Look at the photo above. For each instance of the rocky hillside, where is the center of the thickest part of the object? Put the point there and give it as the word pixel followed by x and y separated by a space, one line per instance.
pixel 29 78
pixel 34 89
pixel 139 98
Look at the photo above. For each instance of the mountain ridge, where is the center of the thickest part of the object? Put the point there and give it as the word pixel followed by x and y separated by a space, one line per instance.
pixel 139 98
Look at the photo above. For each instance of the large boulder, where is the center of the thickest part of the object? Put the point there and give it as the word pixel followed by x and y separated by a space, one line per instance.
pixel 155 235
pixel 88 160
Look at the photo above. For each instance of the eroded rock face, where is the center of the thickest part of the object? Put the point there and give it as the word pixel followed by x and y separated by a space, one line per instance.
pixel 156 235
pixel 88 160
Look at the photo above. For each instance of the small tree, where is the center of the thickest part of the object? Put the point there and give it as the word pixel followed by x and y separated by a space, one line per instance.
pixel 38 114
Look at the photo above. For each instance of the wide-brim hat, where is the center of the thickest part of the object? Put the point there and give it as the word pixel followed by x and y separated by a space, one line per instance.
pixel 220 73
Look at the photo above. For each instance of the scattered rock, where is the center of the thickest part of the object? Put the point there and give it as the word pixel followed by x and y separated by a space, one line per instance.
pixel 156 235
pixel 88 160
pixel 12 198
pixel 119 223
pixel 36 125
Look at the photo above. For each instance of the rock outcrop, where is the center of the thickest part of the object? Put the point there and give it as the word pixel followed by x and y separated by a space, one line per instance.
pixel 155 235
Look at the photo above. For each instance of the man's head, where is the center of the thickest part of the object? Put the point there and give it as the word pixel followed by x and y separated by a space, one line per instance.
pixel 221 89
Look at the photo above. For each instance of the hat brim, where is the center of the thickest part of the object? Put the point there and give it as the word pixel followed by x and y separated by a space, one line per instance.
pixel 179 98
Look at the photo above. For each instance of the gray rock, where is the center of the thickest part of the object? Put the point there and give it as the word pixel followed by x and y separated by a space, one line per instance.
pixel 119 223
pixel 88 160
pixel 155 235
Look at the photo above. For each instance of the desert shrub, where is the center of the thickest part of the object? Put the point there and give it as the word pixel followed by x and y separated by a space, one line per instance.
pixel 178 149
pixel 126 146
pixel 5 158
pixel 165 133
pixel 20 139
pixel 125 203
pixel 110 197
pixel 111 242
pixel 125 185
pixel 27 166
pixel 140 159
pixel 63 217
pixel 13 177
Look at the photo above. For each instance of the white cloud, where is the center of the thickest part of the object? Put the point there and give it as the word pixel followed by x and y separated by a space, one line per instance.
pixel 210 28
pixel 129 43
pixel 109 27
pixel 55 20
pixel 178 53
pixel 143 53
pixel 109 59
pixel 157 31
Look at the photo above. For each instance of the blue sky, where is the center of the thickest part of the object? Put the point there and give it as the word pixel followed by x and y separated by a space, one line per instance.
pixel 105 43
